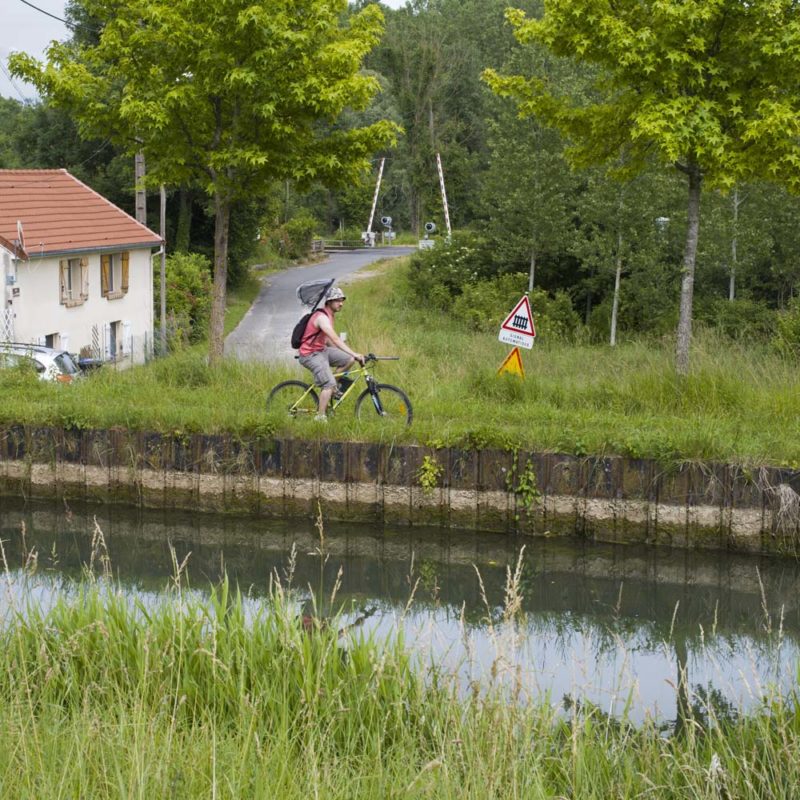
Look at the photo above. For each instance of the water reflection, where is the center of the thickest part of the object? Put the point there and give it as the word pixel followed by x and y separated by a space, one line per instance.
pixel 613 625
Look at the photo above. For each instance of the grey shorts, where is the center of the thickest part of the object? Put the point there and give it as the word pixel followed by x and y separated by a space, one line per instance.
pixel 319 364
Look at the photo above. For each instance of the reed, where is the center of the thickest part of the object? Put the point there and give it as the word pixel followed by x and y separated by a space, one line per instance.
pixel 190 699
pixel 217 695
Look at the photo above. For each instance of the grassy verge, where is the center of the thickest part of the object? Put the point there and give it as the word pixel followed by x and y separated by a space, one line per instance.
pixel 210 697
pixel 739 403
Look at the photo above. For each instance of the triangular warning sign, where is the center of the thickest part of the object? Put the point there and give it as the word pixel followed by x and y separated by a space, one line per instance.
pixel 513 364
pixel 517 328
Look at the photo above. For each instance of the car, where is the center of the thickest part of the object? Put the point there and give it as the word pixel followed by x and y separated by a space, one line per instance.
pixel 50 364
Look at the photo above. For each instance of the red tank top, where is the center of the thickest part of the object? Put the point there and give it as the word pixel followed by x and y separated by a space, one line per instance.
pixel 313 337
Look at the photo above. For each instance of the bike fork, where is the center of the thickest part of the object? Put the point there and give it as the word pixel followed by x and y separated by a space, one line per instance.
pixel 376 398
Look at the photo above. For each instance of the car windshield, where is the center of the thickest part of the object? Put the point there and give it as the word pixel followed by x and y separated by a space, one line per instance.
pixel 65 364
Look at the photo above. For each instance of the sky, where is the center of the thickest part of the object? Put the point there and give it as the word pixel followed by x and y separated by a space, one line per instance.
pixel 24 28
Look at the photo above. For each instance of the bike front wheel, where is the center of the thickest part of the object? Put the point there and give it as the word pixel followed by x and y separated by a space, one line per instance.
pixel 385 400
pixel 295 398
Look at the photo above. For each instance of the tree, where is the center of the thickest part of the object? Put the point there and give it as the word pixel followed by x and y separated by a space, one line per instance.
pixel 227 96
pixel 708 86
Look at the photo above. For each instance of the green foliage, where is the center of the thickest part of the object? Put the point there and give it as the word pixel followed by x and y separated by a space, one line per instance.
pixel 524 486
pixel 787 333
pixel 188 279
pixel 741 319
pixel 428 474
pixel 293 239
pixel 485 304
pixel 440 274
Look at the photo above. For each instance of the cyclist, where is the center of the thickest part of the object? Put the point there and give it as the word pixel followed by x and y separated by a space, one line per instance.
pixel 321 349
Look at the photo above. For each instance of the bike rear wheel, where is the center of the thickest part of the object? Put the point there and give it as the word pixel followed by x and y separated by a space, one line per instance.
pixel 385 400
pixel 293 398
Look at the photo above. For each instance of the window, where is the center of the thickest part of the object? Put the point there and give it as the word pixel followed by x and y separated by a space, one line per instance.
pixel 74 280
pixel 114 275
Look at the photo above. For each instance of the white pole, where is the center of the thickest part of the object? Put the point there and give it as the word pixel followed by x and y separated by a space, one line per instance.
pixel 375 197
pixel 444 196
pixel 163 275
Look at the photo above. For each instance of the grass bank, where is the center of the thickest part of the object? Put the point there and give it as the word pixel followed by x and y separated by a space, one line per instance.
pixel 740 403
pixel 197 697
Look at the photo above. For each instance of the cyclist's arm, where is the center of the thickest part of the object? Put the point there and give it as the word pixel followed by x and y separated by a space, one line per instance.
pixel 324 324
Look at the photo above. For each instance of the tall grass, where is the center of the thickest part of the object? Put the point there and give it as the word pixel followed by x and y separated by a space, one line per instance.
pixel 215 697
pixel 739 403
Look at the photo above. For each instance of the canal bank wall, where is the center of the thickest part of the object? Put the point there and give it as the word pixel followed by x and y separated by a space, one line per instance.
pixel 613 499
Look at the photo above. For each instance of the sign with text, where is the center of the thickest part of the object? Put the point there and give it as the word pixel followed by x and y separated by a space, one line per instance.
pixel 517 328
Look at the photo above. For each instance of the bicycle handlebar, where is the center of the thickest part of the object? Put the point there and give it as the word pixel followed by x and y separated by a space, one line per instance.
pixel 373 357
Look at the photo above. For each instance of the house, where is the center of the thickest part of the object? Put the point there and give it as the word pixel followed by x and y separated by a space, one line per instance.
pixel 77 271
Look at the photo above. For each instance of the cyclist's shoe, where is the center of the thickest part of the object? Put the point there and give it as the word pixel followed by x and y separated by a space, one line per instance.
pixel 338 394
pixel 320 418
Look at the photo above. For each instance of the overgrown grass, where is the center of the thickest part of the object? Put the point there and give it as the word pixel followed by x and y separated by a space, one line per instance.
pixel 739 403
pixel 219 697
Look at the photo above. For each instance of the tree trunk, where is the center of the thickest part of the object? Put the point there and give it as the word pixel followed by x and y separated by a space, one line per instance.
pixel 222 216
pixel 734 244
pixel 687 281
pixel 532 272
pixel 615 302
pixel 184 230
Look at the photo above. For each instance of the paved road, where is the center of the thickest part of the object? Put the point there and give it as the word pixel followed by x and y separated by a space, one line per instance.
pixel 264 332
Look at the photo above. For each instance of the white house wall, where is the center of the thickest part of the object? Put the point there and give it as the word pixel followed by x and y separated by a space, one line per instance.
pixel 38 311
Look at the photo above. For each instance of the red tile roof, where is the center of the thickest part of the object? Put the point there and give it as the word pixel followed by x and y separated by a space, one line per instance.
pixel 59 214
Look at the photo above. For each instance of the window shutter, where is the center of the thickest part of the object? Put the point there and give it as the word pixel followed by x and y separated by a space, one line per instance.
pixel 63 266
pixel 127 338
pixel 125 272
pixel 105 268
pixel 84 279
pixel 65 341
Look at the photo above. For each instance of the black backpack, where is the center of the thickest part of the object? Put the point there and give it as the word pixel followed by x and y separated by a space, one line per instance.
pixel 300 329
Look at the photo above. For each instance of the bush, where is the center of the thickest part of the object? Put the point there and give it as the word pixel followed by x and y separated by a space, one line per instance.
pixel 485 304
pixel 188 297
pixel 293 238
pixel 440 274
pixel 787 330
pixel 741 319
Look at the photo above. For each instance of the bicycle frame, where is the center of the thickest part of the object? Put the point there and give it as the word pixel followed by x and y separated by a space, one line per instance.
pixel 364 371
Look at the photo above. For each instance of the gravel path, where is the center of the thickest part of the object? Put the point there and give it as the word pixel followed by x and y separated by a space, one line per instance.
pixel 265 330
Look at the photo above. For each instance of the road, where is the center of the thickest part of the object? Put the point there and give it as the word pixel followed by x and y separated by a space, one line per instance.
pixel 265 330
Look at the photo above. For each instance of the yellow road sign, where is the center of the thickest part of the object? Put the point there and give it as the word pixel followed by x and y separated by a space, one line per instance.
pixel 512 364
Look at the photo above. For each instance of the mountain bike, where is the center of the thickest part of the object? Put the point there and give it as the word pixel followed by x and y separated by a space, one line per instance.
pixel 299 399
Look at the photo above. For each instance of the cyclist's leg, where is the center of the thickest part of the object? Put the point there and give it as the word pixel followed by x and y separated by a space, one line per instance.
pixel 340 361
pixel 320 368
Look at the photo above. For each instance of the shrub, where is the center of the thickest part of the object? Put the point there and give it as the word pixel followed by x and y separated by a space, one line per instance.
pixel 485 304
pixel 188 297
pixel 293 238
pixel 787 330
pixel 742 319
pixel 440 274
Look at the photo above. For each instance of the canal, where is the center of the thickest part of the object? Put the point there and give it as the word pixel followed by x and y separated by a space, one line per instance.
pixel 630 628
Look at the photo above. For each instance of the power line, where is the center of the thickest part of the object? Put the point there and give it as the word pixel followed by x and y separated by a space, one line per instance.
pixel 46 13
pixel 11 81
pixel 73 26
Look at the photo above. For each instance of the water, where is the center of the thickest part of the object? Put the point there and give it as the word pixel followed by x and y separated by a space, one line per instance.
pixel 614 625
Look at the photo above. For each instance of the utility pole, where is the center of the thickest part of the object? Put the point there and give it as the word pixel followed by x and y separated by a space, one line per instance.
pixel 141 195
pixel 163 292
